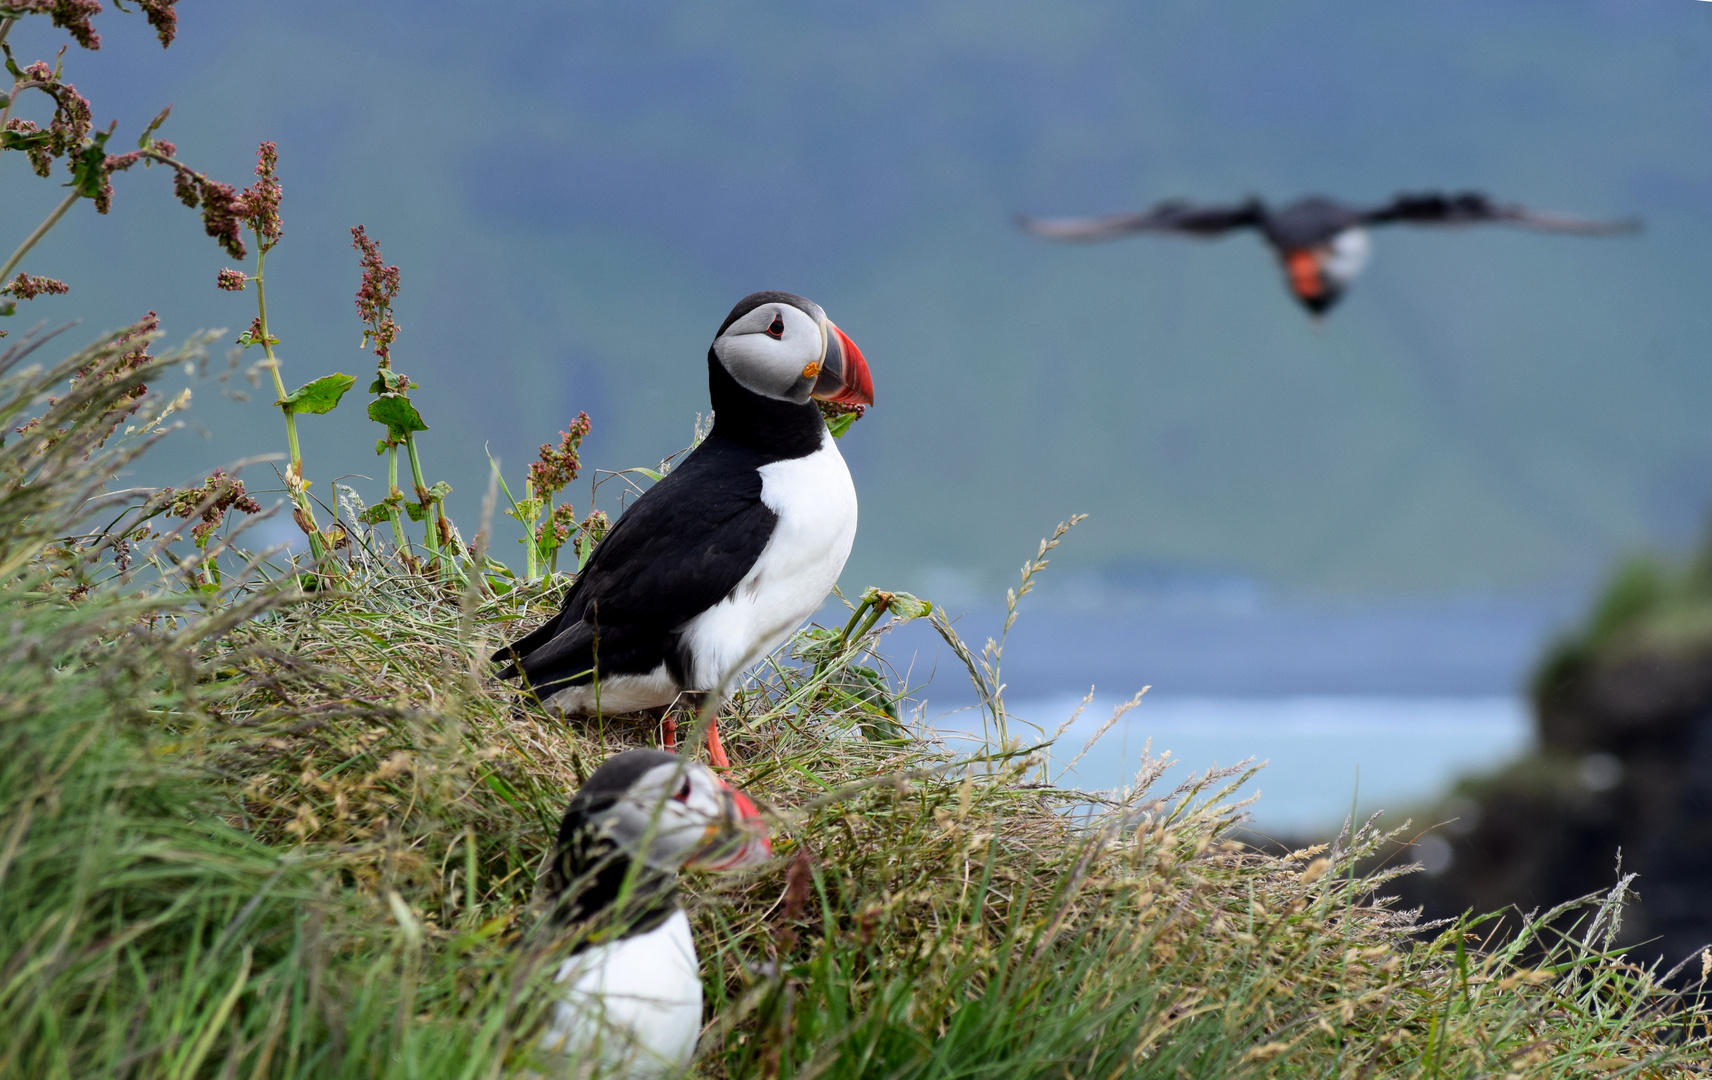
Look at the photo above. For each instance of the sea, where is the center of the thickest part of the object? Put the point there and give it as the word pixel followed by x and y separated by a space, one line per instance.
pixel 1351 708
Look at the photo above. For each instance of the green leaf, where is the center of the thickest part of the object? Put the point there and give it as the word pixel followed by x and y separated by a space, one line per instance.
pixel 376 514
pixel 87 175
pixel 398 414
pixel 246 339
pixel 414 510
pixel 838 425
pixel 905 607
pixel 390 382
pixel 439 491
pixel 319 396
pixel 380 446
pixel 22 140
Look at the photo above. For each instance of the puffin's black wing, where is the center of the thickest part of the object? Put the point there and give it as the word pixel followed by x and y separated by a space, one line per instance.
pixel 1472 207
pixel 1173 215
pixel 678 550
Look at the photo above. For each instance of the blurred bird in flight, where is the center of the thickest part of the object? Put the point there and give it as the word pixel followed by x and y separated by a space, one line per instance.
pixel 1321 243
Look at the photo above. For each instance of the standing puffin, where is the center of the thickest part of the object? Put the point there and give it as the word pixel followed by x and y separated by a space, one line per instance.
pixel 715 565
pixel 1321 243
pixel 630 995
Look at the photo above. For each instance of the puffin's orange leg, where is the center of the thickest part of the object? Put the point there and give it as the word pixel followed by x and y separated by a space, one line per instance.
pixel 669 733
pixel 716 749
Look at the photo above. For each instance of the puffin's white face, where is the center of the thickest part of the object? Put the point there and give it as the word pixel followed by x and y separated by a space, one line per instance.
pixel 1346 255
pixel 680 815
pixel 775 350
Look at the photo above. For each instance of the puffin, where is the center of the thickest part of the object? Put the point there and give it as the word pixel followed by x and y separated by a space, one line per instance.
pixel 1322 244
pixel 629 992
pixel 717 563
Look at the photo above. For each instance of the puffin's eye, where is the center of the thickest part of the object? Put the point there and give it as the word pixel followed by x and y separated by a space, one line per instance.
pixel 683 794
pixel 777 330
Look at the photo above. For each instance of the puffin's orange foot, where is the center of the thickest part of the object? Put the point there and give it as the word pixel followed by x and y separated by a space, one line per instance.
pixel 669 734
pixel 716 749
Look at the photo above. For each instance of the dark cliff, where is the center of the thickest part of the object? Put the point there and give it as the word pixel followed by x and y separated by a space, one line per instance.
pixel 1623 764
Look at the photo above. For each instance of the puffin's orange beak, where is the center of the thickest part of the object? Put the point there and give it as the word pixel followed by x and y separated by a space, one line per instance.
pixel 737 839
pixel 844 376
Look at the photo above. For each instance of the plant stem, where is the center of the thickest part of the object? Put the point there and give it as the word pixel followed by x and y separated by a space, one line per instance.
pixel 392 492
pixel 550 557
pixel 531 560
pixel 429 509
pixel 294 482
pixel 41 231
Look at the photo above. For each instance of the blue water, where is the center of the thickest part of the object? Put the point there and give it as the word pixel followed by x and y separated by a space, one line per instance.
pixel 1322 753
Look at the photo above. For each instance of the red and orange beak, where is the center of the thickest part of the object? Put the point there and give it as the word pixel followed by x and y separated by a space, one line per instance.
pixel 738 838
pixel 844 374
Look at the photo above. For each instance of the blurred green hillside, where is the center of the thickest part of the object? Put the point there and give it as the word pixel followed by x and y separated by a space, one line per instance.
pixel 577 192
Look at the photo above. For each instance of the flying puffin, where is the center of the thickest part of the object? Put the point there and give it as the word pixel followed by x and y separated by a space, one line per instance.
pixel 715 565
pixel 1321 243
pixel 631 989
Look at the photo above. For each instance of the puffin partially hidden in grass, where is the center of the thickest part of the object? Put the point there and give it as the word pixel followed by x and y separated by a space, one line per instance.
pixel 715 565
pixel 1322 244
pixel 630 995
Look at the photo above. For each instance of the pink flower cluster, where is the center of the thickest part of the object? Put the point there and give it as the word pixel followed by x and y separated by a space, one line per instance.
pixel 226 210
pixel 222 208
pixel 231 280
pixel 72 16
pixel 261 199
pixel 559 465
pixel 217 495
pixel 28 287
pixel 71 124
pixel 375 295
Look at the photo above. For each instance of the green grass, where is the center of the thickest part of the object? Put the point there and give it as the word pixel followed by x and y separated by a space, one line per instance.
pixel 248 831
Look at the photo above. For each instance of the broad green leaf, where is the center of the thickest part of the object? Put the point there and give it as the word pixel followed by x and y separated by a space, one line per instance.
pixel 838 425
pixel 398 414
pixel 439 491
pixel 414 510
pixel 376 514
pixel 319 396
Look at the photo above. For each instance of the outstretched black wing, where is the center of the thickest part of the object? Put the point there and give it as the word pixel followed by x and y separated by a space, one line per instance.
pixel 678 550
pixel 1173 216
pixel 1472 207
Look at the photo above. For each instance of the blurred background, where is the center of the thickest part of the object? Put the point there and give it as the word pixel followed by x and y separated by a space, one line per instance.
pixel 1342 548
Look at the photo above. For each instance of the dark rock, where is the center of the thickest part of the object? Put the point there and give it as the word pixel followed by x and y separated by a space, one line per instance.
pixel 1623 768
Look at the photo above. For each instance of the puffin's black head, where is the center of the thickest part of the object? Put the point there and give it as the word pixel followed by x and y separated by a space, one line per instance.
pixel 782 346
pixel 668 811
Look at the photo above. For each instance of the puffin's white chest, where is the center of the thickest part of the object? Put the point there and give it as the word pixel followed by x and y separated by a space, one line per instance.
pixel 816 506
pixel 633 1004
